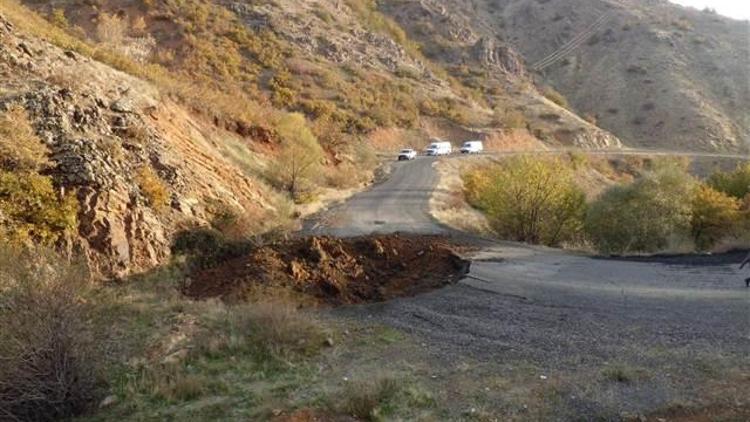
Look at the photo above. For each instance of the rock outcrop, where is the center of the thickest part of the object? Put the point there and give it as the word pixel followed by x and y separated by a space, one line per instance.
pixel 501 57
pixel 101 127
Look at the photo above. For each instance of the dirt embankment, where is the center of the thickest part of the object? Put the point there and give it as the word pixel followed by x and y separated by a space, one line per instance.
pixel 337 271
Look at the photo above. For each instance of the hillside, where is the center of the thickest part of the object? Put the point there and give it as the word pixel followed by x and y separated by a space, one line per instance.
pixel 140 166
pixel 187 100
pixel 655 74
pixel 348 67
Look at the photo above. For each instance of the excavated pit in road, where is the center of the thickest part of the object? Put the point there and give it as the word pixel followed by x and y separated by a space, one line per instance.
pixel 337 271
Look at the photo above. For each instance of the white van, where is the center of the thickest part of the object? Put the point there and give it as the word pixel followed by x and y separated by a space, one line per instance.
pixel 439 148
pixel 472 147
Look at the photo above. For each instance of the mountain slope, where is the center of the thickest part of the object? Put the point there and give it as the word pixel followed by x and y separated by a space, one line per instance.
pixel 348 67
pixel 655 74
pixel 141 167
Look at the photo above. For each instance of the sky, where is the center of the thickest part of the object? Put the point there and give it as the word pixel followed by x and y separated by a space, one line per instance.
pixel 737 9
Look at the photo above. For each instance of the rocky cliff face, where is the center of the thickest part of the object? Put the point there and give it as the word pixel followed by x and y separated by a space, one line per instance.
pixel 102 127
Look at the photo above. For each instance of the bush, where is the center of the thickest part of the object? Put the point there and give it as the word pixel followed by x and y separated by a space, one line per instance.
pixel 300 158
pixel 48 360
pixel 645 215
pixel 367 399
pixel 529 200
pixel 20 147
pixel 714 216
pixel 111 29
pixel 152 187
pixel 31 210
pixel 735 183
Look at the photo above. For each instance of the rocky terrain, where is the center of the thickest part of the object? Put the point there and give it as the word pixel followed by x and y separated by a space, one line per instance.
pixel 655 74
pixel 101 127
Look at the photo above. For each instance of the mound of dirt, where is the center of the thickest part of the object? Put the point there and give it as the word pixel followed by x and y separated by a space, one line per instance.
pixel 337 271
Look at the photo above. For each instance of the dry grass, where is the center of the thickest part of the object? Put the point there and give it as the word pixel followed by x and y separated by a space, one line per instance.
pixel 512 140
pixel 152 187
pixel 272 333
pixel 448 204
pixel 365 399
pixel 20 147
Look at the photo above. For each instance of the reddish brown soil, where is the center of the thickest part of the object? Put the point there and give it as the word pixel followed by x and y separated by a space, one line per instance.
pixel 337 271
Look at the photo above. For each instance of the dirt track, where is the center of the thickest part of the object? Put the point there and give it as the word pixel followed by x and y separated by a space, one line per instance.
pixel 678 320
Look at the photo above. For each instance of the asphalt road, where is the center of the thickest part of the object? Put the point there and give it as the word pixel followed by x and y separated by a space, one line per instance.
pixel 400 203
pixel 562 312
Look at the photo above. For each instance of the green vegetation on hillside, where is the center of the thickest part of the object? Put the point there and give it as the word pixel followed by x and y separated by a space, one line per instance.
pixel 32 209
pixel 529 200
pixel 645 215
pixel 537 200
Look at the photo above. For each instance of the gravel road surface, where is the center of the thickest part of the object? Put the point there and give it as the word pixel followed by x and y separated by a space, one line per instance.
pixel 677 319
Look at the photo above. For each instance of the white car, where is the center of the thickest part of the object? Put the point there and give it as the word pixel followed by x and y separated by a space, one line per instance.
pixel 472 147
pixel 407 154
pixel 439 148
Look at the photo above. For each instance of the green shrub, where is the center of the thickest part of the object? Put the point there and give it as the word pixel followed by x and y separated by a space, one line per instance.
pixel 735 183
pixel 644 215
pixel 32 210
pixel 529 199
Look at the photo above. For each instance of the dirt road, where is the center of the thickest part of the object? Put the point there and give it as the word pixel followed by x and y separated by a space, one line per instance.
pixel 677 330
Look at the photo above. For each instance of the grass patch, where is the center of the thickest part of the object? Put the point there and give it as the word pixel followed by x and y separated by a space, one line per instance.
pixel 623 373
pixel 380 397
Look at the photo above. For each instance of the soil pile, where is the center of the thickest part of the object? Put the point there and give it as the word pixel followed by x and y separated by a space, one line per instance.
pixel 337 271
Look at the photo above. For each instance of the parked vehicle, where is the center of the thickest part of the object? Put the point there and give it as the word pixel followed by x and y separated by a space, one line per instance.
pixel 407 154
pixel 439 148
pixel 472 147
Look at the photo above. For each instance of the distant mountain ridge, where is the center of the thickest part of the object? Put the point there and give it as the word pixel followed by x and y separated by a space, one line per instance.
pixel 653 73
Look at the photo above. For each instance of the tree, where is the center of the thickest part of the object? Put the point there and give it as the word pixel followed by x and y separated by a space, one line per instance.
pixel 300 157
pixel 735 183
pixel 644 215
pixel 529 199
pixel 714 215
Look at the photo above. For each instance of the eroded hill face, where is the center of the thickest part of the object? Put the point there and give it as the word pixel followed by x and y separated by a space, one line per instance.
pixel 655 74
pixel 109 137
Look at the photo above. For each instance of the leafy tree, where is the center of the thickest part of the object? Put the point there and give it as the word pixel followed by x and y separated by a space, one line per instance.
pixel 735 183
pixel 300 157
pixel 529 199
pixel 644 215
pixel 714 215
